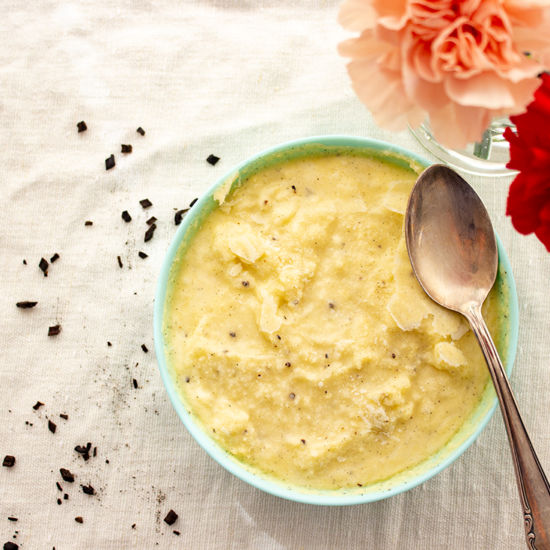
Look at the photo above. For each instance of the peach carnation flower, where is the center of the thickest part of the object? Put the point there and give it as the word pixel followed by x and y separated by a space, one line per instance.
pixel 460 62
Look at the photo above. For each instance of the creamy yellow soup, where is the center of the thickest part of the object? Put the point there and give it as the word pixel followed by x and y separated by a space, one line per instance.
pixel 300 338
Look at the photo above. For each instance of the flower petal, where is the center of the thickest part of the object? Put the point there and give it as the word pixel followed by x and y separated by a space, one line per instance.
pixel 357 15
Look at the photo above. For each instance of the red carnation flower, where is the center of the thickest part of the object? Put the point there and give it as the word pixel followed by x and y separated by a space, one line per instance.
pixel 529 195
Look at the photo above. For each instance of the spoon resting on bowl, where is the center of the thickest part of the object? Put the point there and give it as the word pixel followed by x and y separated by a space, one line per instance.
pixel 454 256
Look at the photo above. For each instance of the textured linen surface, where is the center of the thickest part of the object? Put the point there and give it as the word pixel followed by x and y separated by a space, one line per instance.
pixel 201 77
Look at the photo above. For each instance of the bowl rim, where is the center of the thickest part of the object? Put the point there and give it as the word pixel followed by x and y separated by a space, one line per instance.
pixel 222 457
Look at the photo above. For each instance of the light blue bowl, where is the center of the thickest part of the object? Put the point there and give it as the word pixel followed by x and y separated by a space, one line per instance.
pixel 396 484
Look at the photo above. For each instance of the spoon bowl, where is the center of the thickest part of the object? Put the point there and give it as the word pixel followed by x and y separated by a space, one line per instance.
pixel 450 239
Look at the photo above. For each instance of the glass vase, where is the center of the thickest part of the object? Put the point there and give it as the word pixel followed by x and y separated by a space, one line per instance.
pixel 487 157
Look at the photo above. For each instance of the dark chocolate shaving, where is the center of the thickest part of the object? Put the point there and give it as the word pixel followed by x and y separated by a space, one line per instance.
pixel 110 162
pixel 81 126
pixel 142 255
pixel 8 461
pixel 135 383
pixel 125 148
pixel 54 258
pixel 43 265
pixel 88 222
pixel 26 304
pixel 51 426
pixel 79 519
pixel 145 203
pixel 171 517
pixel 64 416
pixel 144 348
pixel 150 232
pixel 119 262
pixel 126 216
pixel 193 202
pixel 141 131
pixel 151 220
pixel 88 489
pixel 212 159
pixel 66 475
pixel 54 331
pixel 37 405
pixel 179 215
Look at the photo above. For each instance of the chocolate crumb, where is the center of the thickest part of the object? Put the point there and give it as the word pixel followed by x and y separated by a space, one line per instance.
pixel 192 203
pixel 95 452
pixel 187 379
pixel 84 451
pixel 54 258
pixel 109 344
pixel 245 283
pixel 66 475
pixel 106 461
pixel 232 334
pixel 58 485
pixel 288 364
pixel 88 489
pixel 126 216
pixel 125 148
pixel 43 265
pixel 110 162
pixel 294 188
pixel 303 441
pixel 54 331
pixel 11 518
pixel 149 233
pixel 179 215
pixel 51 426
pixel 65 496
pixel 59 501
pixel 24 262
pixel 212 159
pixel 79 519
pixel 8 461
pixel 359 485
pixel 144 348
pixel 37 405
pixel 88 223
pixel 133 525
pixel 10 546
pixel 331 305
pixel 81 126
pixel 119 262
pixel 26 304
pixel 176 532
pixel 135 383
pixel 393 355
pixel 140 131
pixel 145 203
pixel 151 220
pixel 142 255
pixel 64 416
pixel 171 517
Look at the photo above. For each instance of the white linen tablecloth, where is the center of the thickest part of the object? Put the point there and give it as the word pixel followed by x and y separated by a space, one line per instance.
pixel 201 77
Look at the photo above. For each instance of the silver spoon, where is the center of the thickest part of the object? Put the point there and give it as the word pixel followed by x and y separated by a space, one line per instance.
pixel 454 256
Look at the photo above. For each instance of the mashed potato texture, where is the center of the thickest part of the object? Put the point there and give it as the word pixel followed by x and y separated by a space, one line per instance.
pixel 300 338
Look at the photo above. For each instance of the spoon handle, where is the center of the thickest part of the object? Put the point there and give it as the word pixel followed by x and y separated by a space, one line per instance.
pixel 533 486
